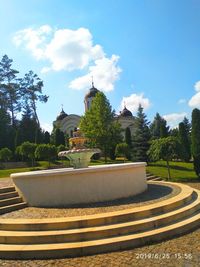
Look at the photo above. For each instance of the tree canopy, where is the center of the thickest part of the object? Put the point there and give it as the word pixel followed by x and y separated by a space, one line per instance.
pixel 98 124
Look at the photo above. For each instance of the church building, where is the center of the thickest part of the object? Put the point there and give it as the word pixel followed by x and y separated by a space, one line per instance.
pixel 68 122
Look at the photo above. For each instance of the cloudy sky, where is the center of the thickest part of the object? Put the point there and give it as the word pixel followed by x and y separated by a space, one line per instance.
pixel 138 51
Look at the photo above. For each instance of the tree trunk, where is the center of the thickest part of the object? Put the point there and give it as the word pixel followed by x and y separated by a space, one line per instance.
pixel 168 170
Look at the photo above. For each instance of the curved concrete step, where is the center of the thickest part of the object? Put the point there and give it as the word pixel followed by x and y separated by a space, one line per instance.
pixel 10 201
pixel 8 195
pixel 12 207
pixel 7 189
pixel 56 250
pixel 183 198
pixel 92 233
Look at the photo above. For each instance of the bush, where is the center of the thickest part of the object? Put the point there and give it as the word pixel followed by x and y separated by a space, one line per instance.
pixel 27 149
pixel 123 150
pixel 5 154
pixel 46 152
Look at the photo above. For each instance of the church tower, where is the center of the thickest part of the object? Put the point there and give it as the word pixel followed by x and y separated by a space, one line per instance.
pixel 89 96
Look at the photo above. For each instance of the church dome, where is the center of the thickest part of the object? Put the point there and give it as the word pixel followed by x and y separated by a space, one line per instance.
pixel 92 92
pixel 61 116
pixel 126 113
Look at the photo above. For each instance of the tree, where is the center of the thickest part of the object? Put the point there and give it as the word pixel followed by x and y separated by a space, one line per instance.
pixel 123 150
pixel 97 123
pixel 116 138
pixel 185 151
pixel 47 137
pixel 9 87
pixel 187 125
pixel 165 149
pixel 4 128
pixel 158 127
pixel 5 154
pixel 141 136
pixel 58 137
pixel 128 138
pixel 195 138
pixel 28 127
pixel 31 87
pixel 28 150
pixel 46 151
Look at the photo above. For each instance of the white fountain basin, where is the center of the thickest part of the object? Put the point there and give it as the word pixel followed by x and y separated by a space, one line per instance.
pixel 79 158
pixel 62 187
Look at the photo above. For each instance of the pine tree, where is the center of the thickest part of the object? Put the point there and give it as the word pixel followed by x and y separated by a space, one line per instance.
pixel 47 137
pixel 9 88
pixel 128 138
pixel 184 140
pixel 31 86
pixel 59 138
pixel 141 136
pixel 187 125
pixel 4 128
pixel 195 137
pixel 159 128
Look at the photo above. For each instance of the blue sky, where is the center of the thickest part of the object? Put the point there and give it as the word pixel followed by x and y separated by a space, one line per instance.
pixel 138 51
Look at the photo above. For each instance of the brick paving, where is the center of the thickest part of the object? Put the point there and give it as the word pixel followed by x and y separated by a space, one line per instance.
pixel 183 251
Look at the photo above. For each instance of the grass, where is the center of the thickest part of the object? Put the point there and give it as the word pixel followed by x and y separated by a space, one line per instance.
pixel 180 171
pixel 40 165
pixel 43 165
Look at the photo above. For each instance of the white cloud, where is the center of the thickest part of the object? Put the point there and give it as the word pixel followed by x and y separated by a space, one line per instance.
pixel 197 86
pixel 33 40
pixel 70 50
pixel 194 102
pixel 132 102
pixel 174 119
pixel 105 73
pixel 182 101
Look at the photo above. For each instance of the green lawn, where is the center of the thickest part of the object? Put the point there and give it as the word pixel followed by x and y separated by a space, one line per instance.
pixel 42 165
pixel 180 171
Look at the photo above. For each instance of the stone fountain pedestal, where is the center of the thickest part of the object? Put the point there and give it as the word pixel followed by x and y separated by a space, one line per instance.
pixel 64 187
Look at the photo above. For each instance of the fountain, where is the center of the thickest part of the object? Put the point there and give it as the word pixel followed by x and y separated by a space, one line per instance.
pixel 80 184
pixel 79 155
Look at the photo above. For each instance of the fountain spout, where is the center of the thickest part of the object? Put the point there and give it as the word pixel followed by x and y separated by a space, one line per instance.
pixel 79 155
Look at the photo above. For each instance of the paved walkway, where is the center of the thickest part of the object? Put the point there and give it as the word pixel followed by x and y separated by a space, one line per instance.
pixel 182 251
pixel 5 182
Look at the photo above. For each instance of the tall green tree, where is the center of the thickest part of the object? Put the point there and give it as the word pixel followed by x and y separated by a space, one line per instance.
pixel 9 87
pixel 58 137
pixel 187 125
pixel 4 128
pixel 184 139
pixel 158 127
pixel 116 138
pixel 128 138
pixel 141 136
pixel 97 123
pixel 27 129
pixel 47 137
pixel 195 138
pixel 31 86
